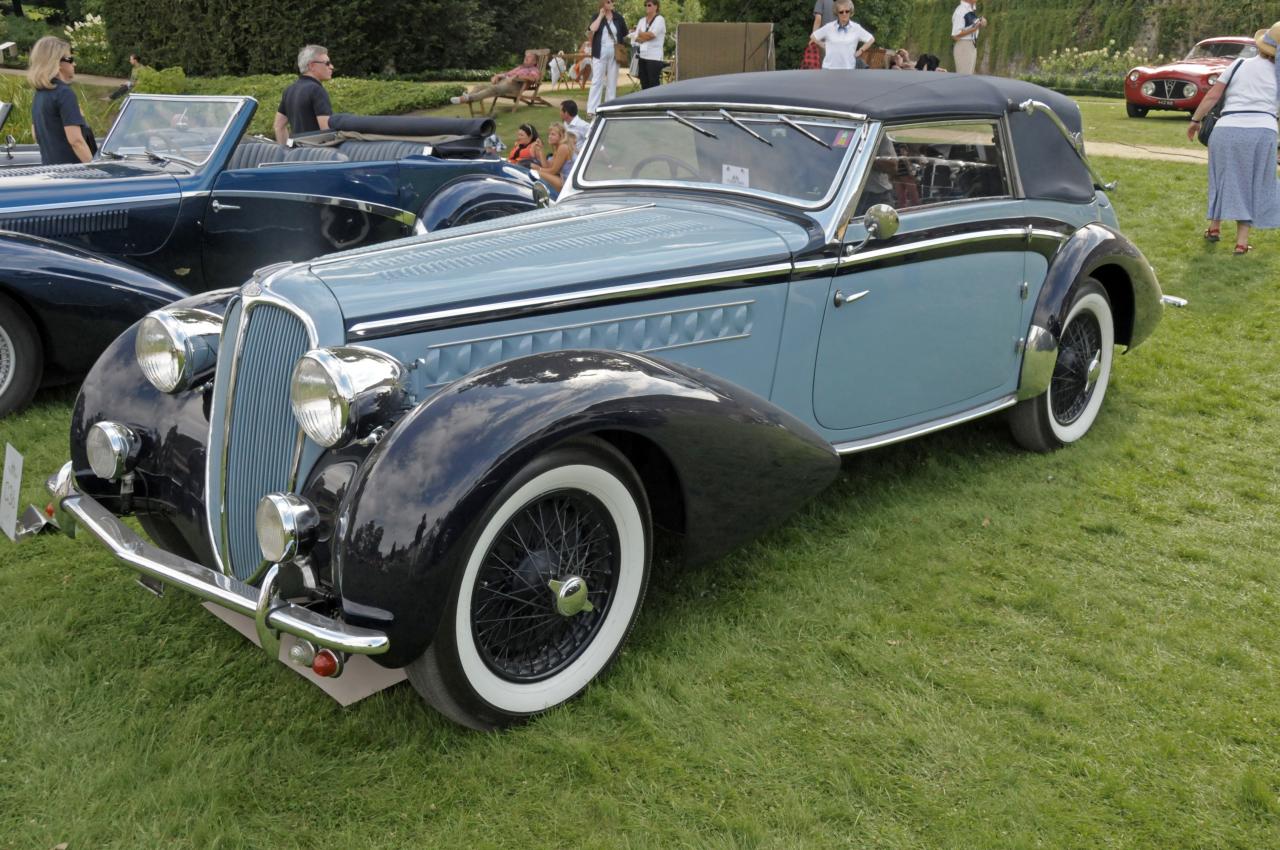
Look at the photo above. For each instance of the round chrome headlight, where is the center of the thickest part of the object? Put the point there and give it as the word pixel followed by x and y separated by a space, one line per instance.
pixel 341 394
pixel 1149 88
pixel 1133 76
pixel 112 449
pixel 1213 80
pixel 177 346
pixel 1189 89
pixel 285 525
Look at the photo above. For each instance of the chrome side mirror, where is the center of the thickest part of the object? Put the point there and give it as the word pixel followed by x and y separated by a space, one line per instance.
pixel 881 222
pixel 541 194
pixel 9 142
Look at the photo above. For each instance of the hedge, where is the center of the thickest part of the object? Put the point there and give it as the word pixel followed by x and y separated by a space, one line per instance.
pixel 364 37
pixel 363 97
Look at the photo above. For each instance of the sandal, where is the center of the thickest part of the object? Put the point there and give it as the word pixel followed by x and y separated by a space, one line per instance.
pixel 1212 234
pixel 1241 250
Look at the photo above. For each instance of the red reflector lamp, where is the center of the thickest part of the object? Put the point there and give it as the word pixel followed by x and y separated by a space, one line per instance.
pixel 326 663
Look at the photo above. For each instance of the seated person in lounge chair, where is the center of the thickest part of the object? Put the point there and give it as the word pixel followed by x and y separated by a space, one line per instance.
pixel 508 84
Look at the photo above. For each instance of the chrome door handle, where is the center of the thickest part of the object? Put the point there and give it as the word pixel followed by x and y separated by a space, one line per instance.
pixel 219 207
pixel 841 299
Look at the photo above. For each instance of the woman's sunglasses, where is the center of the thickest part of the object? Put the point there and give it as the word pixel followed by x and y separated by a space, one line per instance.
pixel 70 60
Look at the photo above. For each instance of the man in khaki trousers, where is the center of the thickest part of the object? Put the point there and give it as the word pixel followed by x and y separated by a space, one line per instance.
pixel 965 24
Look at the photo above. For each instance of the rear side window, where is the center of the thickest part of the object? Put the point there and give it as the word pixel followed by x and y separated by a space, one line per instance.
pixel 919 166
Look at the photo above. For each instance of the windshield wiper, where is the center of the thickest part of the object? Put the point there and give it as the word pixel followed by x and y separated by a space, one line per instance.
pixel 163 157
pixel 802 131
pixel 744 128
pixel 110 155
pixel 691 125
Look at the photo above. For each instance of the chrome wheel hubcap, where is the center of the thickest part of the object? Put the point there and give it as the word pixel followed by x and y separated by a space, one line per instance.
pixel 570 596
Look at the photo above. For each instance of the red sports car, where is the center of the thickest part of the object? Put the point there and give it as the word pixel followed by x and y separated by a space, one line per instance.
pixel 1181 85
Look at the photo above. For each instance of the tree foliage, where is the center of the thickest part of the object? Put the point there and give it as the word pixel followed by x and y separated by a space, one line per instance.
pixel 1020 32
pixel 364 37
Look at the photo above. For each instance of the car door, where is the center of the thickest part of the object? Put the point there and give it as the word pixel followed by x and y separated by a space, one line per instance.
pixel 296 210
pixel 925 324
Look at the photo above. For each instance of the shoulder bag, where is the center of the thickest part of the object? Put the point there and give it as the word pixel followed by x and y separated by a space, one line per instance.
pixel 621 53
pixel 1206 123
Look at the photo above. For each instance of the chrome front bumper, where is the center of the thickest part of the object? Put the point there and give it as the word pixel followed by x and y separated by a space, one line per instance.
pixel 271 614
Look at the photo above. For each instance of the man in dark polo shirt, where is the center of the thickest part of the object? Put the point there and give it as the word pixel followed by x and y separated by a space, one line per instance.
pixel 304 107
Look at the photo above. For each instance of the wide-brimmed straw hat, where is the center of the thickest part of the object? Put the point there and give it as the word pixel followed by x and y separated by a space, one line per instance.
pixel 1268 39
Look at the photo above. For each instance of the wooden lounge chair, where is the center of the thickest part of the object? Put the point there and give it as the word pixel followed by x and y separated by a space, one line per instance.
pixel 528 95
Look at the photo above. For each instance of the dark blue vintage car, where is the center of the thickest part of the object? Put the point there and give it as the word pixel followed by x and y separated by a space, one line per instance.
pixel 454 454
pixel 180 203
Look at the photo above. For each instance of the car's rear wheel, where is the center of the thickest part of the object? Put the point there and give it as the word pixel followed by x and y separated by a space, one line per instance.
pixel 556 573
pixel 1067 411
pixel 1135 111
pixel 21 360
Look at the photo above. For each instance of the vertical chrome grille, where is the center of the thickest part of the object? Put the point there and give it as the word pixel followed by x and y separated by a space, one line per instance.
pixel 261 433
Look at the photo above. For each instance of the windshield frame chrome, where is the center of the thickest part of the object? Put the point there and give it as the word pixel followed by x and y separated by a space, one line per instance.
pixel 857 124
pixel 240 101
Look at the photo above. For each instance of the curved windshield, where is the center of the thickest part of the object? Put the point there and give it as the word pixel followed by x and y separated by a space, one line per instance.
pixel 179 129
pixel 796 159
pixel 1222 50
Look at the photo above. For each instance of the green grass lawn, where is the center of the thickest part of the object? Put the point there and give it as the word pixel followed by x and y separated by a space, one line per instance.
pixel 958 645
pixel 1105 121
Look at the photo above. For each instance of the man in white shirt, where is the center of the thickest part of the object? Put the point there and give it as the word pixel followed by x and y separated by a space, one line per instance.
pixel 965 24
pixel 572 122
pixel 842 40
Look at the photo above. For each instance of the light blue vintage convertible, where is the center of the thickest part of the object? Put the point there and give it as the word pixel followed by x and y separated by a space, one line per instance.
pixel 454 453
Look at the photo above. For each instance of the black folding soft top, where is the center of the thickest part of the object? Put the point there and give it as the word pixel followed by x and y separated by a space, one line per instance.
pixel 1049 166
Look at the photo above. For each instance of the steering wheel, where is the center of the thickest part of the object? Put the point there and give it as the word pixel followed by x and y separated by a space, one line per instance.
pixel 674 163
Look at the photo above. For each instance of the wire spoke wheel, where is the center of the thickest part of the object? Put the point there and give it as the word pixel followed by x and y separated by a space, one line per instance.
pixel 1081 371
pixel 1076 372
pixel 518 630
pixel 555 573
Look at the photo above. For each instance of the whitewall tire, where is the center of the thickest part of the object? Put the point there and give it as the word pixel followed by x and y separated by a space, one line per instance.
pixel 555 576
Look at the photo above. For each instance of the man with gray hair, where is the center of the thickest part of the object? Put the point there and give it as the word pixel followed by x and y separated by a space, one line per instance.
pixel 304 107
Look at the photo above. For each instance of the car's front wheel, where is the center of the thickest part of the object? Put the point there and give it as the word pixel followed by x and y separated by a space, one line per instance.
pixel 1135 111
pixel 557 569
pixel 1067 411
pixel 21 360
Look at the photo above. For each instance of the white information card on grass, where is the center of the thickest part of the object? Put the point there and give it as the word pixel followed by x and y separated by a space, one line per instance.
pixel 10 491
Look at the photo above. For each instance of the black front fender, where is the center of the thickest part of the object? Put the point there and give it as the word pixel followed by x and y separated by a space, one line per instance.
pixel 406 523
pixel 169 489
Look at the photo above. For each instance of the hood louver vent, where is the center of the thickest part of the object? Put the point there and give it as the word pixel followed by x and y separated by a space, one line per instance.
pixel 74 171
pixel 68 224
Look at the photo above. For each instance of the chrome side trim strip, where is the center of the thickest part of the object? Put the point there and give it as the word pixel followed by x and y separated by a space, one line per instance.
pixel 574 299
pixel 947 241
pixel 111 202
pixel 908 433
pixel 403 216
pixel 450 235
pixel 154 562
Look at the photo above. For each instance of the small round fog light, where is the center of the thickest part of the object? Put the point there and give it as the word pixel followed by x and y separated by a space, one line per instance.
pixel 112 449
pixel 286 526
